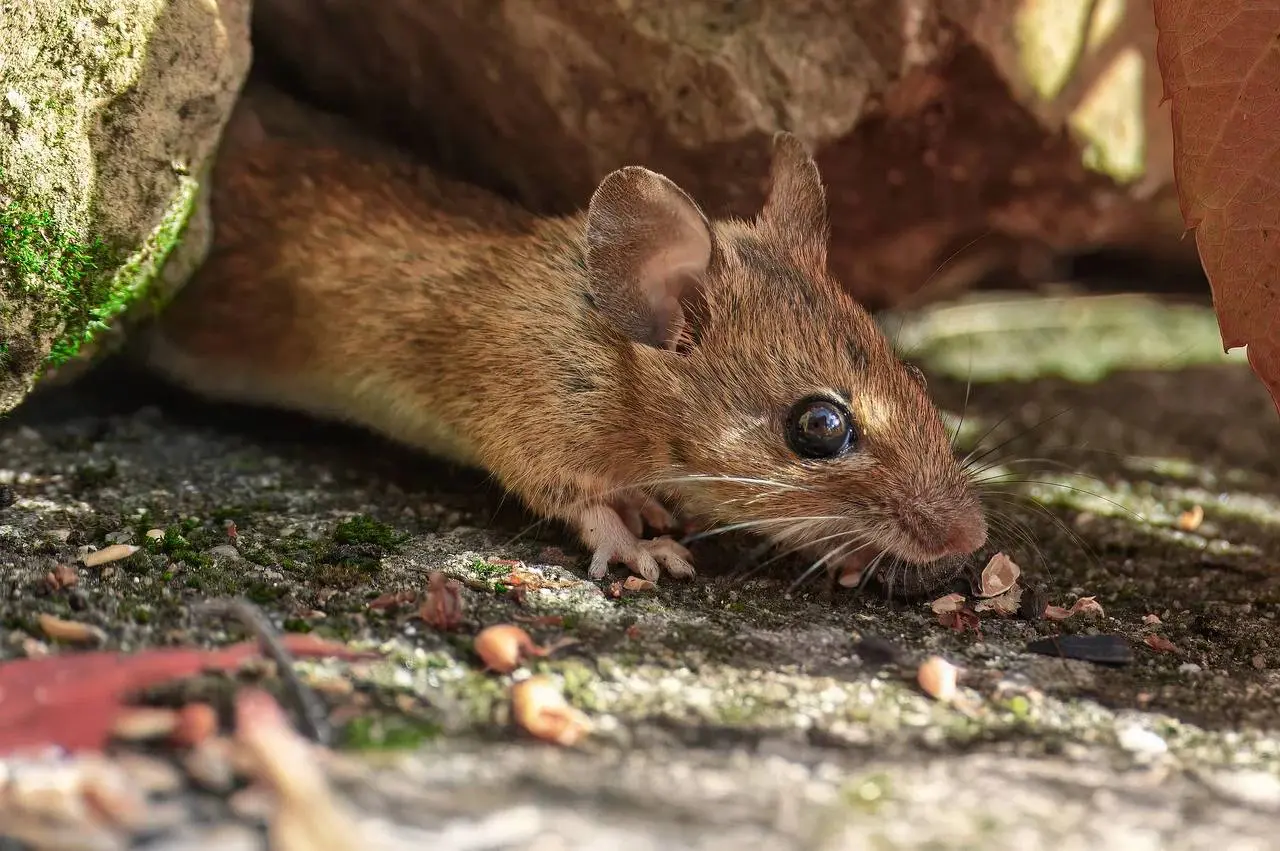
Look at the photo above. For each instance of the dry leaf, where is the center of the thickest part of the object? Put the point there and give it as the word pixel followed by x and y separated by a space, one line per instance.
pixel 540 708
pixel 1221 71
pixel 1160 644
pixel 115 552
pixel 1190 520
pixel 1083 605
pixel 635 583
pixel 960 620
pixel 938 678
pixel 1150 620
pixel 1000 574
pixel 947 603
pixel 442 608
pixel 73 631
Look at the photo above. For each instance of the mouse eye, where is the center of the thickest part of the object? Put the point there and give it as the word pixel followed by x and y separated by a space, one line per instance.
pixel 818 427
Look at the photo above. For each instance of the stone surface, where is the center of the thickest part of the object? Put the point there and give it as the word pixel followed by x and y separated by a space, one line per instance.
pixel 739 710
pixel 937 136
pixel 110 111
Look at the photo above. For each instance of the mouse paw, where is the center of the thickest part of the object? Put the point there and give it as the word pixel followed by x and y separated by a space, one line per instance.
pixel 636 509
pixel 847 570
pixel 607 534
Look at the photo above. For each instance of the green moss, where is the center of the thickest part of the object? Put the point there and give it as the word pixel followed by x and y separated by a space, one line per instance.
pixel 363 529
pixel 45 260
pixel 389 732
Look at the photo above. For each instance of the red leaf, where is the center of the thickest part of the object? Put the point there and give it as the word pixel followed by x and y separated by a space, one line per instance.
pixel 71 700
pixel 1220 60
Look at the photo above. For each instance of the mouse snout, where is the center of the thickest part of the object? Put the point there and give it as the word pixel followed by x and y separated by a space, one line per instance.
pixel 938 532
pixel 966 535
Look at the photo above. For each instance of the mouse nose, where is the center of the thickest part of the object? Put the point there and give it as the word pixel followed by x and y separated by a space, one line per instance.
pixel 967 536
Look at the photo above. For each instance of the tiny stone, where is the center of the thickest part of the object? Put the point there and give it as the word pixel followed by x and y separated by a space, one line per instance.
pixel 1139 740
pixel 124 536
pixel 1189 668
pixel 155 534
pixel 226 551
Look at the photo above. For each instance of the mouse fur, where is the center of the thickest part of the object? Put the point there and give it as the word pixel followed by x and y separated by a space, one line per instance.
pixel 608 367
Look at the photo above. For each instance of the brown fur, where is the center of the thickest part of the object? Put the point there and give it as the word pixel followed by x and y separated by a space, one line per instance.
pixel 586 361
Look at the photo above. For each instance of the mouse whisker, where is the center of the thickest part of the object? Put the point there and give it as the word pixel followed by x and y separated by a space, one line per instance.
pixel 858 538
pixel 812 569
pixel 753 524
pixel 1011 528
pixel 1014 437
pixel 1021 501
pixel 1067 487
pixel 865 579
pixel 708 477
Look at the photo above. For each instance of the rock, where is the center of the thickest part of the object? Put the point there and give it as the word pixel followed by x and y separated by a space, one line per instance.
pixel 958 132
pixel 109 113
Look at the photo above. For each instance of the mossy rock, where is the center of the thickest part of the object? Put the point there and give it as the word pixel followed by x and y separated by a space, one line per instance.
pixel 110 113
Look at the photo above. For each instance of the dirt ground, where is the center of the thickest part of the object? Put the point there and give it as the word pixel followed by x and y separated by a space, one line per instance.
pixel 738 710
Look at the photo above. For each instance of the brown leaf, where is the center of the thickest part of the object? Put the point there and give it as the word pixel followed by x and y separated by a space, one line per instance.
pixel 1221 72
pixel 947 603
pixel 72 700
pixel 1160 644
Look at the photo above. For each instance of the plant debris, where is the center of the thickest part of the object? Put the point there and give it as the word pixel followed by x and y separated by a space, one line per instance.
pixel 503 647
pixel 1084 605
pixel 1000 575
pixel 42 700
pixel 938 678
pixel 115 552
pixel 1108 649
pixel 1160 644
pixel 1190 520
pixel 442 608
pixel 538 706
pixel 75 632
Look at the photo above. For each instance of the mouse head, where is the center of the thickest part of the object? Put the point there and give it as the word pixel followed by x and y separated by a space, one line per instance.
pixel 781 404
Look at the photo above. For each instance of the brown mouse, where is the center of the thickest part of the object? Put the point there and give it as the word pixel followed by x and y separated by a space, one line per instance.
pixel 605 367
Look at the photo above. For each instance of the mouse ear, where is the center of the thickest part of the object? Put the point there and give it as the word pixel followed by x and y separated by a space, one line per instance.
pixel 795 213
pixel 649 249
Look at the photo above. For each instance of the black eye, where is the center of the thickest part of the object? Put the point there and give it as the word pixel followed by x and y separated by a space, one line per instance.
pixel 818 427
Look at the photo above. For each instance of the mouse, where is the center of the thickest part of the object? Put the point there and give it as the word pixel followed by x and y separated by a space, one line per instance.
pixel 630 370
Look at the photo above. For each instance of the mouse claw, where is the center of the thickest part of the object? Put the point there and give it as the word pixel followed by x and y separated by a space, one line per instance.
pixel 603 529
pixel 673 555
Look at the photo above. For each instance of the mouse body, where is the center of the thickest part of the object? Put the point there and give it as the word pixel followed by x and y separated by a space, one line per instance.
pixel 613 369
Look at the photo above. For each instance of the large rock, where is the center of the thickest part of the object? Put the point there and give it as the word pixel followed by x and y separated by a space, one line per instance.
pixel 109 113
pixel 938 124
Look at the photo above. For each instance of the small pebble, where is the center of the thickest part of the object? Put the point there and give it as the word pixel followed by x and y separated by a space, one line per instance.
pixel 226 551
pixel 1139 740
pixel 1190 668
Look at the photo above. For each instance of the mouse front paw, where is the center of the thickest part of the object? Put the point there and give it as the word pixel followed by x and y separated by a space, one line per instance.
pixel 611 541
pixel 638 509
